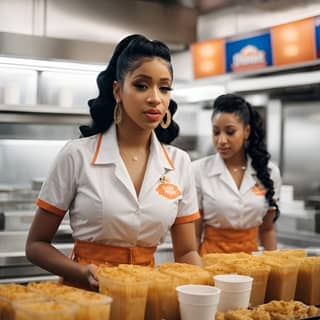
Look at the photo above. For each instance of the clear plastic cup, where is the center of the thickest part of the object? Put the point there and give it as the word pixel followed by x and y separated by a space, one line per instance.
pixel 11 293
pixel 235 291
pixel 198 301
pixel 92 305
pixel 45 310
pixel 129 294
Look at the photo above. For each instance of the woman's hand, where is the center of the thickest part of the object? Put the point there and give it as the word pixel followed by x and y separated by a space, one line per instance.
pixel 90 277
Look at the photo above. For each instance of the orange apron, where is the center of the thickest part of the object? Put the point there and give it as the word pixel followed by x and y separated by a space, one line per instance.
pixel 85 252
pixel 218 240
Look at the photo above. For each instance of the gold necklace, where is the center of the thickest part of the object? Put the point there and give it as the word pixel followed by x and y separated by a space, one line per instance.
pixel 129 156
pixel 243 168
pixel 132 157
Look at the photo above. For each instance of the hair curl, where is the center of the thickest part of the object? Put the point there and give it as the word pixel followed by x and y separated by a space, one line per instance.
pixel 127 56
pixel 256 148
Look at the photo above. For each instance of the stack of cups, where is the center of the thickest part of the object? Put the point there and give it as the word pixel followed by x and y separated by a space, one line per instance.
pixel 235 291
pixel 198 301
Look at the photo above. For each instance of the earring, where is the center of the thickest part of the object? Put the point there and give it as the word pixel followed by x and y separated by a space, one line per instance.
pixel 117 113
pixel 246 144
pixel 166 123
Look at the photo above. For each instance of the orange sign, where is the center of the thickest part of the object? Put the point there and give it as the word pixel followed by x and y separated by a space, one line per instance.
pixel 293 42
pixel 208 58
pixel 168 190
pixel 258 190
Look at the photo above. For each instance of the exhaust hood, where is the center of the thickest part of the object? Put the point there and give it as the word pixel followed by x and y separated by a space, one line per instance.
pixel 77 31
pixel 44 48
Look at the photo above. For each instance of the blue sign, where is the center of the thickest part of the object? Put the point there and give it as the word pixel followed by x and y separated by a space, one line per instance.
pixel 317 26
pixel 249 53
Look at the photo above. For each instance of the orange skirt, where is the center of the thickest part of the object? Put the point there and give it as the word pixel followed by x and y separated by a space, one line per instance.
pixel 218 240
pixel 85 252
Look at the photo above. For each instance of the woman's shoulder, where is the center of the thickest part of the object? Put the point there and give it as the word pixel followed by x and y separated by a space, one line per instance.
pixel 80 145
pixel 204 162
pixel 175 152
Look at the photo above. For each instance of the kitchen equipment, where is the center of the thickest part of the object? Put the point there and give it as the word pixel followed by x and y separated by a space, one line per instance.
pixel 17 211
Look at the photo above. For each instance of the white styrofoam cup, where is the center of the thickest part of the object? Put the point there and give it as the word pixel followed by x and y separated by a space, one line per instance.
pixel 198 301
pixel 235 291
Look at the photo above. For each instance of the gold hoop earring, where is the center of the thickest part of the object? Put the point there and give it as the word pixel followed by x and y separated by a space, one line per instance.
pixel 166 123
pixel 117 113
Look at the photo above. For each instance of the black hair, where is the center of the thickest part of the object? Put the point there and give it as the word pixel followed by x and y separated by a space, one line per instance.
pixel 127 56
pixel 256 147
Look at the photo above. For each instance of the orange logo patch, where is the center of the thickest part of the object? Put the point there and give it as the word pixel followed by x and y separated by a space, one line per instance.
pixel 258 190
pixel 168 190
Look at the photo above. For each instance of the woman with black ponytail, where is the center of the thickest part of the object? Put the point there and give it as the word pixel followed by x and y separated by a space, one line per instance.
pixel 238 187
pixel 122 184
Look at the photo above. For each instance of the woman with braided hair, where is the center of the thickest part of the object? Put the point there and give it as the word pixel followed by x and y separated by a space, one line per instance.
pixel 238 187
pixel 122 184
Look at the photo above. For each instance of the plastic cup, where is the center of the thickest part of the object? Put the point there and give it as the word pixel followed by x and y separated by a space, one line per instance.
pixel 235 291
pixel 45 310
pixel 129 297
pixel 198 301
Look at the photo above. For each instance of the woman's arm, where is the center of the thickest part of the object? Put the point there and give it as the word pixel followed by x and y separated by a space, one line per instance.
pixel 40 251
pixel 199 229
pixel 185 243
pixel 267 232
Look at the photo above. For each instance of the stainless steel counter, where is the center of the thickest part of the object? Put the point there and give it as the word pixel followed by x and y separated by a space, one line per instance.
pixel 300 239
pixel 16 219
pixel 14 266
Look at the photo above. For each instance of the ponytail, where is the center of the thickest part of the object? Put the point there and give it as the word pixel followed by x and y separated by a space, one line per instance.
pixel 257 150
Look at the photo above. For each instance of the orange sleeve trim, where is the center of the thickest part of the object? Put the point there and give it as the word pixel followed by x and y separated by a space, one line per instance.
pixel 167 156
pixel 97 149
pixel 188 218
pixel 48 207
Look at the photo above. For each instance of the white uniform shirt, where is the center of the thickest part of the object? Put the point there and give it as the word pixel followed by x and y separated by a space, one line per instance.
pixel 90 180
pixel 224 205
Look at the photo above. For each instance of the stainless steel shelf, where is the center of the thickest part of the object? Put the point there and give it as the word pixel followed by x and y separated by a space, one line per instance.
pixel 43 114
pixel 46 109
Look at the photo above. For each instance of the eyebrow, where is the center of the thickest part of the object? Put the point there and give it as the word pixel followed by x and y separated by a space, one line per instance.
pixel 227 126
pixel 150 78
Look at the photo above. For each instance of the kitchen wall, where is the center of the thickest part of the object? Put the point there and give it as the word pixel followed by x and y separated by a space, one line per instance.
pixel 301 152
pixel 254 15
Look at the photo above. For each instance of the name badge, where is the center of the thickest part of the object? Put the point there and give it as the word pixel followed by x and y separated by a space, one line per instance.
pixel 258 190
pixel 167 189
